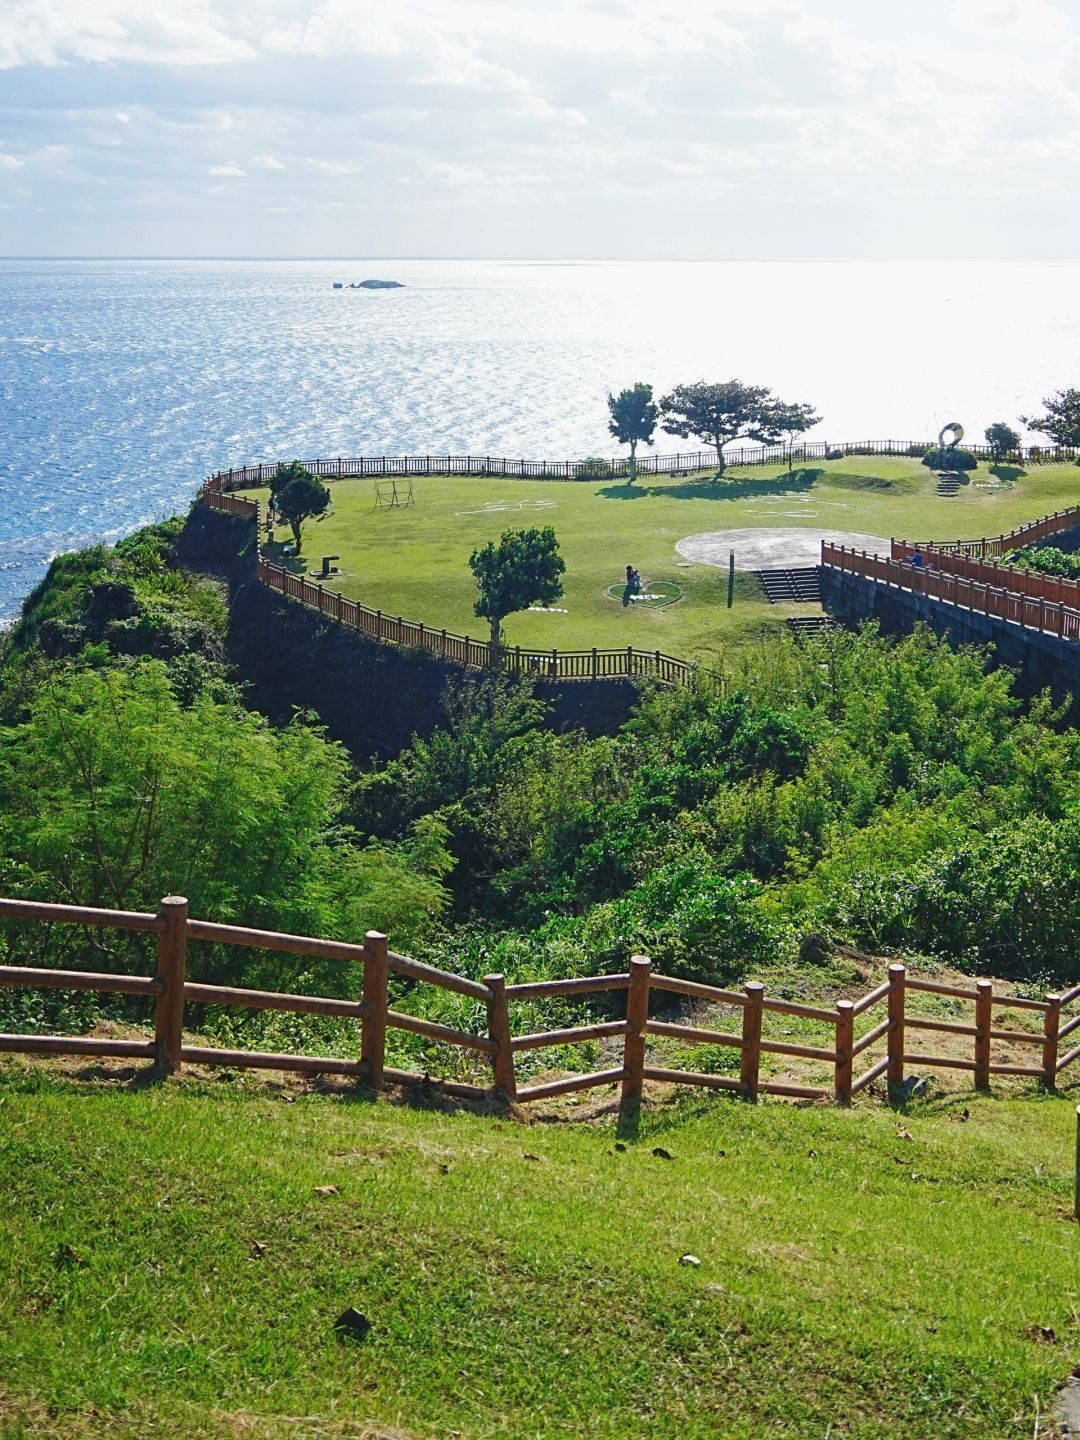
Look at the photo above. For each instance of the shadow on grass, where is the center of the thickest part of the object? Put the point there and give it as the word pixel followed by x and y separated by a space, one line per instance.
pixel 1008 473
pixel 717 489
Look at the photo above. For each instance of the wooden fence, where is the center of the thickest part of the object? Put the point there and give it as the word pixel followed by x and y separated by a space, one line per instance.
pixel 172 992
pixel 1030 611
pixel 990 572
pixel 340 468
pixel 989 546
pixel 625 662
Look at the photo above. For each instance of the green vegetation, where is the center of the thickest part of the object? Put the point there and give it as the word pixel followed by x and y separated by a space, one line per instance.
pixel 720 414
pixel 633 417
pixel 171 1263
pixel 950 457
pixel 524 569
pixel 414 562
pixel 1002 439
pixel 1045 560
pixel 298 495
pixel 172 1260
pixel 1062 419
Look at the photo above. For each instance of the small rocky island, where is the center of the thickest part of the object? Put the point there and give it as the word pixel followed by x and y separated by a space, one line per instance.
pixel 372 285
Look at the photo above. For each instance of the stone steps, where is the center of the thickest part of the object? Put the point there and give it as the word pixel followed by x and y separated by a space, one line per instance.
pixel 785 587
pixel 802 626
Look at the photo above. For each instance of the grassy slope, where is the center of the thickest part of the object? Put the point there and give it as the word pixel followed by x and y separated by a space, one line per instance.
pixel 414 562
pixel 854 1281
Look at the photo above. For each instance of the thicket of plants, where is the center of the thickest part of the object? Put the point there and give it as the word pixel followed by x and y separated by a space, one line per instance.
pixel 891 795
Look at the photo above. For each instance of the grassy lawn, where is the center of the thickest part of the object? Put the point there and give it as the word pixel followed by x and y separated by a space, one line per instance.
pixel 861 1273
pixel 414 562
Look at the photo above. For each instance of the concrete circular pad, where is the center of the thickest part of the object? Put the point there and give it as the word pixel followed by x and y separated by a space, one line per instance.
pixel 772 549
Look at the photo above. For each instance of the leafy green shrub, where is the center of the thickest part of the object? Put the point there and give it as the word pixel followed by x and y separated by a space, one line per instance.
pixel 949 457
pixel 1044 560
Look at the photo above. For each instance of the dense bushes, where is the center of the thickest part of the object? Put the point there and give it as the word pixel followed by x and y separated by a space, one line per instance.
pixel 1044 560
pixel 949 457
pixel 889 794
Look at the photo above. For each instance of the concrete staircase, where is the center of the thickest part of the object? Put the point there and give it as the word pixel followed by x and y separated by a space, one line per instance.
pixel 802 626
pixel 785 587
pixel 948 482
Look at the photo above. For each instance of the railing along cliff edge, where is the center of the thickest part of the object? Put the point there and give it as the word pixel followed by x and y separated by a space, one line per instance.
pixel 624 662
pixel 172 992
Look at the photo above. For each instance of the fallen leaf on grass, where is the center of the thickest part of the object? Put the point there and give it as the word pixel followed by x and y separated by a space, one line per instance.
pixel 662 1154
pixel 527 1156
pixel 258 1249
pixel 903 1134
pixel 689 1260
pixel 620 1147
pixel 327 1190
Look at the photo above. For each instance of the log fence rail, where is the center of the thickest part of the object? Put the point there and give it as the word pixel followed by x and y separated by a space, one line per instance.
pixel 172 992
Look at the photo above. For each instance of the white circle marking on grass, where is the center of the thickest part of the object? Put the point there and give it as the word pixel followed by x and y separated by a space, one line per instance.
pixel 772 548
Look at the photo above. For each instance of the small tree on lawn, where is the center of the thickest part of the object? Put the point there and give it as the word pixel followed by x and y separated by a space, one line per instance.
pixel 1062 419
pixel 633 419
pixel 524 569
pixel 721 413
pixel 1002 439
pixel 301 497
pixel 781 424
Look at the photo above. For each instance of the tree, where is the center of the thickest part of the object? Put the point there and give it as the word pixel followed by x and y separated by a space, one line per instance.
pixel 1002 440
pixel 1062 419
pixel 285 474
pixel 782 423
pixel 522 570
pixel 726 411
pixel 633 419
pixel 303 496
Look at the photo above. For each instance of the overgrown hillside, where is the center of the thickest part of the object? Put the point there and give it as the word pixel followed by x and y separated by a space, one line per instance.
pixel 173 1261
pixel 857 792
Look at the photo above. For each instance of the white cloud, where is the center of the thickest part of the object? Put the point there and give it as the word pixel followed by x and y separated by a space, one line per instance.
pixel 758 123
pixel 333 167
pixel 176 32
pixel 9 162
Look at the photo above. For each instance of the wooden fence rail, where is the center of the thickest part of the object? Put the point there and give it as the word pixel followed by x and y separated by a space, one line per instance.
pixel 172 993
pixel 1032 612
pixel 622 663
pixel 991 545
pixel 618 467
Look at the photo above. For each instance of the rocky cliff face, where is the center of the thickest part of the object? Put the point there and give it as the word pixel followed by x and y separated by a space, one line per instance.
pixel 371 696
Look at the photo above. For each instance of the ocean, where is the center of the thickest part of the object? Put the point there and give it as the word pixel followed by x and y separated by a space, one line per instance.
pixel 123 382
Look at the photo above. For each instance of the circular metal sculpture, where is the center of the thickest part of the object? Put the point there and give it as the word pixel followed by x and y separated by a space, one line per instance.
pixel 950 435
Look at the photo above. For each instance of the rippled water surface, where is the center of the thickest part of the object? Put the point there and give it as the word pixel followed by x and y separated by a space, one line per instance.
pixel 123 382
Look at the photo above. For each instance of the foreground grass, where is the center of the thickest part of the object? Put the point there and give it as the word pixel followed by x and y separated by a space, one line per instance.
pixel 414 562
pixel 862 1273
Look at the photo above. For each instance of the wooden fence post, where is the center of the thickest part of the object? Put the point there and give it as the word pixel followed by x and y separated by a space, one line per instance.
pixel 171 965
pixel 498 1018
pixel 637 1017
pixel 984 1019
pixel 373 1026
pixel 845 1039
pixel 750 1062
pixel 1051 1025
pixel 897 977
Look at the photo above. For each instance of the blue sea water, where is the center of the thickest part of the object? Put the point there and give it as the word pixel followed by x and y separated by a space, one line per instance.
pixel 122 383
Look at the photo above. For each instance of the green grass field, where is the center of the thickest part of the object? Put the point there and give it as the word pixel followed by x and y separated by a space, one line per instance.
pixel 171 1264
pixel 414 562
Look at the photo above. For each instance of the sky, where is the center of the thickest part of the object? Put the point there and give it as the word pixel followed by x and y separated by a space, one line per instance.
pixel 601 129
